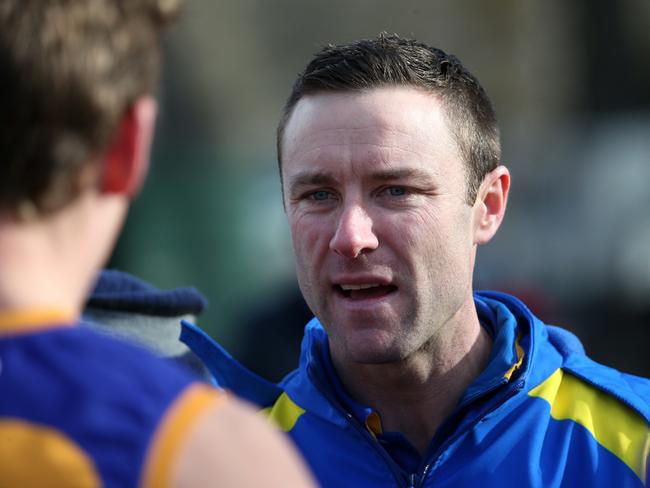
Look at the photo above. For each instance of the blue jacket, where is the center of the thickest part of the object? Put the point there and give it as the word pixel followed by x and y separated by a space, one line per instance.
pixel 541 414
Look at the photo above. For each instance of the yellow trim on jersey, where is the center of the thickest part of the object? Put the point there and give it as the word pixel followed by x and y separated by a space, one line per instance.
pixel 284 413
pixel 36 455
pixel 613 424
pixel 20 321
pixel 373 423
pixel 172 431
pixel 520 359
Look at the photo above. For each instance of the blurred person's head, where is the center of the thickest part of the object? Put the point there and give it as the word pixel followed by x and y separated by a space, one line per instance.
pixel 395 61
pixel 77 120
pixel 73 77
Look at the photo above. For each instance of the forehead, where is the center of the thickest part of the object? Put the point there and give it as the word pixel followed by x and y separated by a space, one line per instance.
pixel 390 126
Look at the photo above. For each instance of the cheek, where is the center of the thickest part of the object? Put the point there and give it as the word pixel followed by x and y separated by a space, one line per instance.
pixel 309 237
pixel 415 233
pixel 433 238
pixel 310 250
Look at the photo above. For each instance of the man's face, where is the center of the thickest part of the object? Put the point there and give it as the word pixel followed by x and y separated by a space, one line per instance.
pixel 384 240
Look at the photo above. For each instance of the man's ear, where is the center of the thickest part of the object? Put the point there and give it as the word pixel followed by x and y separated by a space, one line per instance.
pixel 490 205
pixel 126 160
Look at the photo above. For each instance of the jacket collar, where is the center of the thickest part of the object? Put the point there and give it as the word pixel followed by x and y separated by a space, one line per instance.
pixel 516 332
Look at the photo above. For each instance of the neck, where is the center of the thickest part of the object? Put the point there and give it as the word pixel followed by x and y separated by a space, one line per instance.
pixel 38 270
pixel 415 395
pixel 49 263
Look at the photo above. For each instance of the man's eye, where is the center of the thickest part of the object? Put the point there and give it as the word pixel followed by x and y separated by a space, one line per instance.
pixel 320 195
pixel 396 191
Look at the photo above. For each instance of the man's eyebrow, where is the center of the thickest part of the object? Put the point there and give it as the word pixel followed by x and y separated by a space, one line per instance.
pixel 412 174
pixel 310 178
pixel 320 178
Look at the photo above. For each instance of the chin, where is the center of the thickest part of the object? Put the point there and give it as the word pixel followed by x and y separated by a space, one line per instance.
pixel 371 350
pixel 375 357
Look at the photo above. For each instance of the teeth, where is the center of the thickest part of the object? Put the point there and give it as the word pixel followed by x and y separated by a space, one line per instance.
pixel 359 287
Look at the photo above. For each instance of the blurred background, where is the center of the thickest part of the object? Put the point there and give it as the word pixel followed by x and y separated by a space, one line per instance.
pixel 571 86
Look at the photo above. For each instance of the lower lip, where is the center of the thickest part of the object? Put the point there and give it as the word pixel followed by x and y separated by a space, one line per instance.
pixel 365 303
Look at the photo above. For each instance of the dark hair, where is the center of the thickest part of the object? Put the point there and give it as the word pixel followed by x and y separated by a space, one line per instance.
pixel 69 70
pixel 392 60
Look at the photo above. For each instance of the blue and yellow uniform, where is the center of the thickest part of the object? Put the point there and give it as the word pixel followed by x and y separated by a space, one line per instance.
pixel 81 410
pixel 541 414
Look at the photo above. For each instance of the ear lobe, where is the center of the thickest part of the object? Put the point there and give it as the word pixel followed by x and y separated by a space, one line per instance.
pixel 491 204
pixel 126 160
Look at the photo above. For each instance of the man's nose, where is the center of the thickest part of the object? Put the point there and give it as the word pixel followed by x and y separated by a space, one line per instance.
pixel 354 233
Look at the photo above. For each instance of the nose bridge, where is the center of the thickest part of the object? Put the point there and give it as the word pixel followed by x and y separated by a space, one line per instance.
pixel 354 232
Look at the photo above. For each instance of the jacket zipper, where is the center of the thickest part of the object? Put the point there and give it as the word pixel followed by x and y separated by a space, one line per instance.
pixel 494 406
pixel 395 470
pixel 413 479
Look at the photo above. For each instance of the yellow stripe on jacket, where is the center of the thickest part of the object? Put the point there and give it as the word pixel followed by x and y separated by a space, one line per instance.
pixel 614 425
pixel 284 413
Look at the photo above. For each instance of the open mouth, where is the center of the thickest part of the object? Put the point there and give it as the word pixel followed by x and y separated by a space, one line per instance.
pixel 364 292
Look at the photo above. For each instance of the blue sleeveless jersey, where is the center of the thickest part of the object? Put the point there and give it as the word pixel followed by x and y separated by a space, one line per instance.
pixel 80 409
